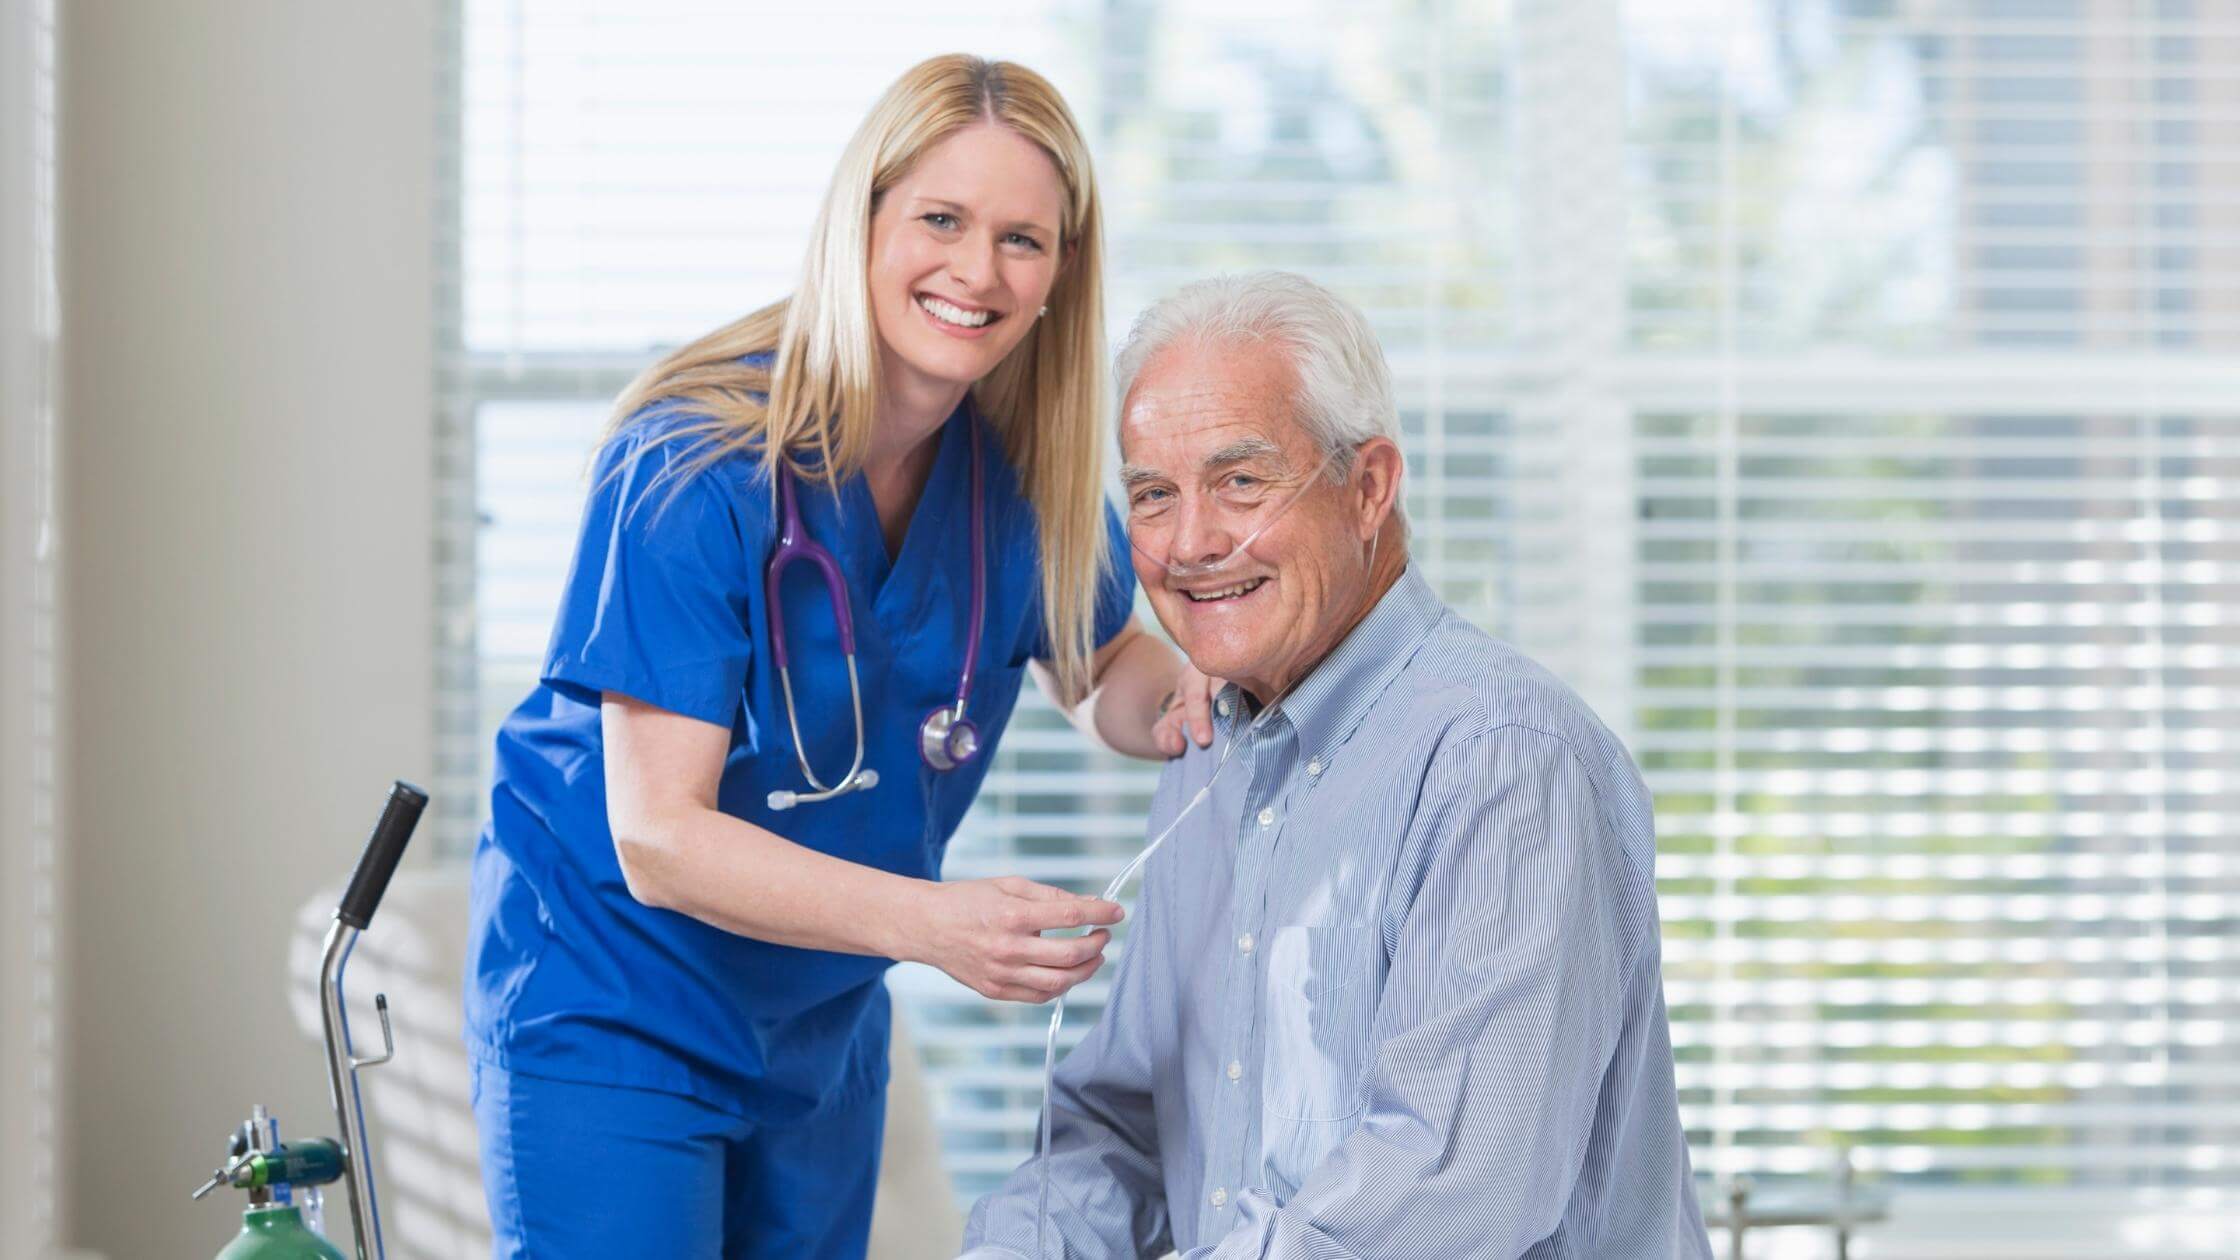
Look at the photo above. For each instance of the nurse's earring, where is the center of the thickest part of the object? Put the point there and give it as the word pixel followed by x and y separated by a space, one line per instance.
pixel 1044 311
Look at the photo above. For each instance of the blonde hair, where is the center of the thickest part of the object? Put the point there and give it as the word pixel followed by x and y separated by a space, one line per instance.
pixel 818 394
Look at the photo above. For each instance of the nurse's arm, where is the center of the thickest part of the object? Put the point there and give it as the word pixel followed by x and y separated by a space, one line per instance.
pixel 679 852
pixel 1130 679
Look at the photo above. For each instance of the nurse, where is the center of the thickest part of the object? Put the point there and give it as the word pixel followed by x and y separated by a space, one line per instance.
pixel 674 988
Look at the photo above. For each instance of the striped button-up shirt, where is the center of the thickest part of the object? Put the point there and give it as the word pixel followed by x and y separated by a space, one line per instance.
pixel 1393 989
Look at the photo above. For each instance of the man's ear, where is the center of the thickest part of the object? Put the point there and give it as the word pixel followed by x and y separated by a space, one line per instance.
pixel 1379 467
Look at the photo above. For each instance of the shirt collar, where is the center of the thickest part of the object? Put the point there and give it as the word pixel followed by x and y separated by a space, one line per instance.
pixel 1326 705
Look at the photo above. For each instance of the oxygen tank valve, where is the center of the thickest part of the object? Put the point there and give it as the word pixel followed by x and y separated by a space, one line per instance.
pixel 266 1168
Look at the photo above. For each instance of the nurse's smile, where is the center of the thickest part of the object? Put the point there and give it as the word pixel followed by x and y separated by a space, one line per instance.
pixel 957 319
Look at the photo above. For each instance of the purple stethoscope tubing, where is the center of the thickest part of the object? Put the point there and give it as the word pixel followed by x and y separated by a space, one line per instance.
pixel 946 739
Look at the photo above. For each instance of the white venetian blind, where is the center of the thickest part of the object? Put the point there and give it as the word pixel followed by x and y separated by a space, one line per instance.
pixel 1842 395
pixel 30 609
pixel 1931 333
pixel 31 865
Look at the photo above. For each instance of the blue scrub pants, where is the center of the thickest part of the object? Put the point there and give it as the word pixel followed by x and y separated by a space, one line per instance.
pixel 605 1171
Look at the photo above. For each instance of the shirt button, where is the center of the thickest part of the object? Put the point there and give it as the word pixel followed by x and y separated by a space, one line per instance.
pixel 1220 1197
pixel 1244 943
pixel 1315 766
pixel 1223 705
pixel 1267 816
pixel 1236 1070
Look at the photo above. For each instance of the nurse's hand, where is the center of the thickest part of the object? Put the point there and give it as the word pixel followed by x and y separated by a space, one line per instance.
pixel 988 934
pixel 1187 713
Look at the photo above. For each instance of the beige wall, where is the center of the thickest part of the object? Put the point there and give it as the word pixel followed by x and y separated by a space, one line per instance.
pixel 246 242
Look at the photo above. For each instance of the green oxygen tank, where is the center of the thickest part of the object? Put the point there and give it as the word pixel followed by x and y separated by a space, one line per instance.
pixel 277 1233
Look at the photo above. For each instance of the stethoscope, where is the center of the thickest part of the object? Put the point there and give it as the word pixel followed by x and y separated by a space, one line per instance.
pixel 946 738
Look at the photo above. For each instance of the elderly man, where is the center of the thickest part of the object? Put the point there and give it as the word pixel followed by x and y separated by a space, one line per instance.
pixel 1393 987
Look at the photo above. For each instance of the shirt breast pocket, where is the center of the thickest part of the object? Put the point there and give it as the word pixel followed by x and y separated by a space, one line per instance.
pixel 1321 1002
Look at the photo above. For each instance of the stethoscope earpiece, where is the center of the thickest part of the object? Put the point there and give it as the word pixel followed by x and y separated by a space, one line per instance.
pixel 863 781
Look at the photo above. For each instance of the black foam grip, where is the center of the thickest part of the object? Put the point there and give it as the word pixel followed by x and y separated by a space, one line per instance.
pixel 384 848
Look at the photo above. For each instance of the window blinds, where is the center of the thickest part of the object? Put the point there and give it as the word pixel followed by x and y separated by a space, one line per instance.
pixel 1934 551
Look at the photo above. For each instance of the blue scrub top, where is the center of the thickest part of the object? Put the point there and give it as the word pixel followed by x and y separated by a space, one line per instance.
pixel 568 975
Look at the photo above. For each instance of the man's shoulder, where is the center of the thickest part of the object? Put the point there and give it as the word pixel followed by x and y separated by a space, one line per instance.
pixel 1480 688
pixel 1471 684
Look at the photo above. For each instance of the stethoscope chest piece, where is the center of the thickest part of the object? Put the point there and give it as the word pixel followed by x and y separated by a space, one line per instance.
pixel 947 740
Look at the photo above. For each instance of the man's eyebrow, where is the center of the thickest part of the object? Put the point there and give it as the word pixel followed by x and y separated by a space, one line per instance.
pixel 1239 451
pixel 1236 452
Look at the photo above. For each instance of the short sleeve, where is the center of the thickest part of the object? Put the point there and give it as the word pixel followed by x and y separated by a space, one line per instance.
pixel 656 603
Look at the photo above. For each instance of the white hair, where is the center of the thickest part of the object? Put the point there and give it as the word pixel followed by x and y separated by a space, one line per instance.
pixel 1344 390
